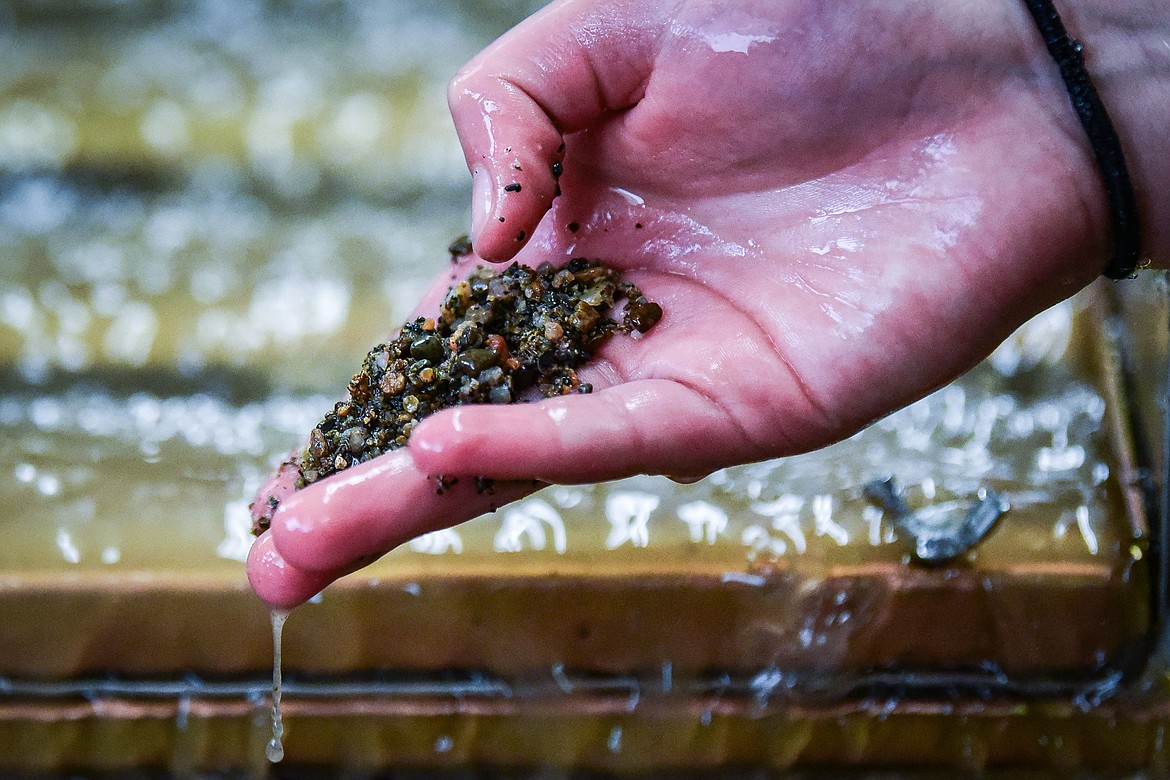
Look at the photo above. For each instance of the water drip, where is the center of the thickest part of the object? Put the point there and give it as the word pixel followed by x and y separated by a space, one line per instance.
pixel 275 747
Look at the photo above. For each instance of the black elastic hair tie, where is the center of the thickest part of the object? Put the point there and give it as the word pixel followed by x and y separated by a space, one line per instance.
pixel 1067 51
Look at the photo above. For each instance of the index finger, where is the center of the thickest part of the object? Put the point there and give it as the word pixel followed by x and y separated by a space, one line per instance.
pixel 562 69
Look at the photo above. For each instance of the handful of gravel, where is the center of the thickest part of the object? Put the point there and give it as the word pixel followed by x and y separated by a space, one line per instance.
pixel 497 335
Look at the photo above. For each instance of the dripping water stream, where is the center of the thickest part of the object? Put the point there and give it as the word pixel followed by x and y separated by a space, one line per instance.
pixel 275 748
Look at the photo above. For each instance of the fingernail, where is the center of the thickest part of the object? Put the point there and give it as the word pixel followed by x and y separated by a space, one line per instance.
pixel 482 205
pixel 276 582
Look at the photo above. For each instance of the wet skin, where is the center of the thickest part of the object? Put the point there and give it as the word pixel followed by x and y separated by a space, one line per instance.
pixel 839 206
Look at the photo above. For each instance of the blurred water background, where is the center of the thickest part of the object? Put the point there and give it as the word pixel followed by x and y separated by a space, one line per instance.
pixel 209 211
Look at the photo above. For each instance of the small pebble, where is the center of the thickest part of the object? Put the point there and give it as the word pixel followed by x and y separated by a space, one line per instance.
pixel 498 334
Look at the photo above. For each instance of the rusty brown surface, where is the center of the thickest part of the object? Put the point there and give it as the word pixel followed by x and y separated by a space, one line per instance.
pixel 587 733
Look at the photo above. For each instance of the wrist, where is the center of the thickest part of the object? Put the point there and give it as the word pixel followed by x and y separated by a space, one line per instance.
pixel 1127 55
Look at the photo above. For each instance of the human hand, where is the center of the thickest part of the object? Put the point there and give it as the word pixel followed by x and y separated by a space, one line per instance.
pixel 839 207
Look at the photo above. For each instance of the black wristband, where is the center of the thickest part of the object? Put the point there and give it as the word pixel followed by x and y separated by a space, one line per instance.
pixel 1067 51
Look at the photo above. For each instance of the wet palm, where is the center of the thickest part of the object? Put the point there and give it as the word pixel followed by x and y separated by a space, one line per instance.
pixel 839 207
pixel 837 216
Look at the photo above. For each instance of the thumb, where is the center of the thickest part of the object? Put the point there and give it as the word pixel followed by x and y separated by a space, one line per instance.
pixel 555 74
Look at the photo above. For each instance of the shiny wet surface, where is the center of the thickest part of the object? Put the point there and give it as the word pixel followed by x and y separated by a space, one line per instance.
pixel 207 216
pixel 200 252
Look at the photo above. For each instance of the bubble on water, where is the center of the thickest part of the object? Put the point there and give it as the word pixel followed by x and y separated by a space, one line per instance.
pixel 68 547
pixel 18 309
pixel 278 309
pixel 130 337
pixel 356 128
pixel 615 740
pixel 34 136
pixel 1060 458
pixel 36 205
pixel 210 284
pixel 165 127
pixel 46 413
pixel 48 485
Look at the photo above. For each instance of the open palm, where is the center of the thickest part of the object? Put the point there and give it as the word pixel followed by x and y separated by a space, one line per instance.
pixel 839 207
